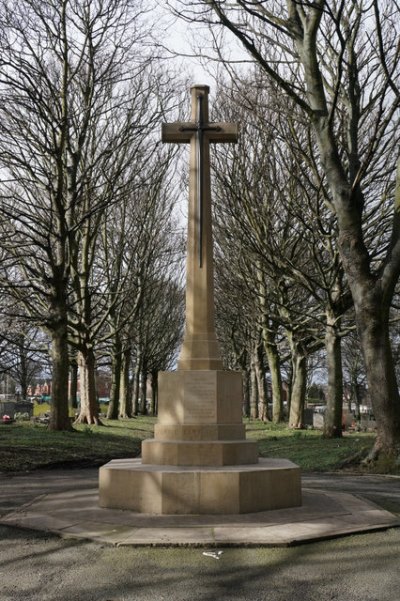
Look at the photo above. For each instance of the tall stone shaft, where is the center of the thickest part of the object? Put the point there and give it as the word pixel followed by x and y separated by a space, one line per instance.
pixel 200 349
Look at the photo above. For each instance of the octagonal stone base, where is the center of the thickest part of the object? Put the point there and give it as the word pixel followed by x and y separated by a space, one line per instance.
pixel 269 484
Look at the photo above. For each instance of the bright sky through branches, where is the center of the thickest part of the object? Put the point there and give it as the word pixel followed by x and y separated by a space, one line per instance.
pixel 181 43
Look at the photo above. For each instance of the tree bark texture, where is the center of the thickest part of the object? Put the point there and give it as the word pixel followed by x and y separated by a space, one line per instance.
pixel 372 297
pixel 136 390
pixel 73 385
pixel 89 411
pixel 261 386
pixel 253 390
pixel 125 388
pixel 143 392
pixel 372 322
pixel 273 360
pixel 154 393
pixel 298 391
pixel 246 392
pixel 59 417
pixel 116 367
pixel 334 401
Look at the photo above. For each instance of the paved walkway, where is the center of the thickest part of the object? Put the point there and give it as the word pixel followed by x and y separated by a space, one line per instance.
pixel 65 502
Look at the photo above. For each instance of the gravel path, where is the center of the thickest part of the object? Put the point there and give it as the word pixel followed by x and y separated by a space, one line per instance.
pixel 36 566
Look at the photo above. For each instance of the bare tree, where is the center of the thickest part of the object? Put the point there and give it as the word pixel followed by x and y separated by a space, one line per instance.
pixel 23 348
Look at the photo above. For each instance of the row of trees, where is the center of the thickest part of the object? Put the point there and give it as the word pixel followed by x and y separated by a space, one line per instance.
pixel 277 256
pixel 336 64
pixel 87 231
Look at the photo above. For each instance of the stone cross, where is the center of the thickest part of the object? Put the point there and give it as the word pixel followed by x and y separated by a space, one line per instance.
pixel 199 461
pixel 200 349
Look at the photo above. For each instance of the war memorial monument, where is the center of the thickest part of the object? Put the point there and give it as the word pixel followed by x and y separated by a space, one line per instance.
pixel 199 461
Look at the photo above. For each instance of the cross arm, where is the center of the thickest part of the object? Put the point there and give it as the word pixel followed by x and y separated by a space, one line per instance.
pixel 223 132
pixel 177 132
pixel 182 131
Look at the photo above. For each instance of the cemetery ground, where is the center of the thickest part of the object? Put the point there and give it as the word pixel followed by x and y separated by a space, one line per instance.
pixel 40 566
pixel 26 446
pixel 37 565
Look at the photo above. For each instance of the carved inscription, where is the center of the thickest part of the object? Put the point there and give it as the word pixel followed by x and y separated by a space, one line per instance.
pixel 200 398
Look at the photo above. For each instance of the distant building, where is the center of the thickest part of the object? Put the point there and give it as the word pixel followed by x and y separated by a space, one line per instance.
pixel 42 388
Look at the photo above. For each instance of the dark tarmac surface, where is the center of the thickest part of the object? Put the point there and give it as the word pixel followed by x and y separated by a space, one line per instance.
pixel 35 565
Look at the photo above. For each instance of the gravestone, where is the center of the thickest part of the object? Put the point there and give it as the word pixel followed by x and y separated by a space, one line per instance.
pixel 199 461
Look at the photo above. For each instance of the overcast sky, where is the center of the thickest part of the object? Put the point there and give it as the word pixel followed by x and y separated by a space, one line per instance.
pixel 182 41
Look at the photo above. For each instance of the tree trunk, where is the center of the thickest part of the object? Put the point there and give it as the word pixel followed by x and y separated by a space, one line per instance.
pixel 143 391
pixel 261 386
pixel 89 411
pixel 253 391
pixel 73 385
pixel 246 393
pixel 290 378
pixel 24 385
pixel 154 392
pixel 125 388
pixel 116 366
pixel 357 402
pixel 334 401
pixel 59 417
pixel 298 392
pixel 373 328
pixel 136 389
pixel 268 333
pixel 273 360
pixel 349 397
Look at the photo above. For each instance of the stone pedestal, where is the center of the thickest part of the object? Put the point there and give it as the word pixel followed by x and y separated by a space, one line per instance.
pixel 199 461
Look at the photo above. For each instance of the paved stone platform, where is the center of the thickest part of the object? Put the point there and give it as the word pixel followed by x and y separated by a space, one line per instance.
pixel 75 513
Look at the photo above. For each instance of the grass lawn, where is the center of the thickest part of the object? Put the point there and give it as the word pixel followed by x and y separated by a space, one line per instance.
pixel 25 446
pixel 307 448
pixel 42 408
